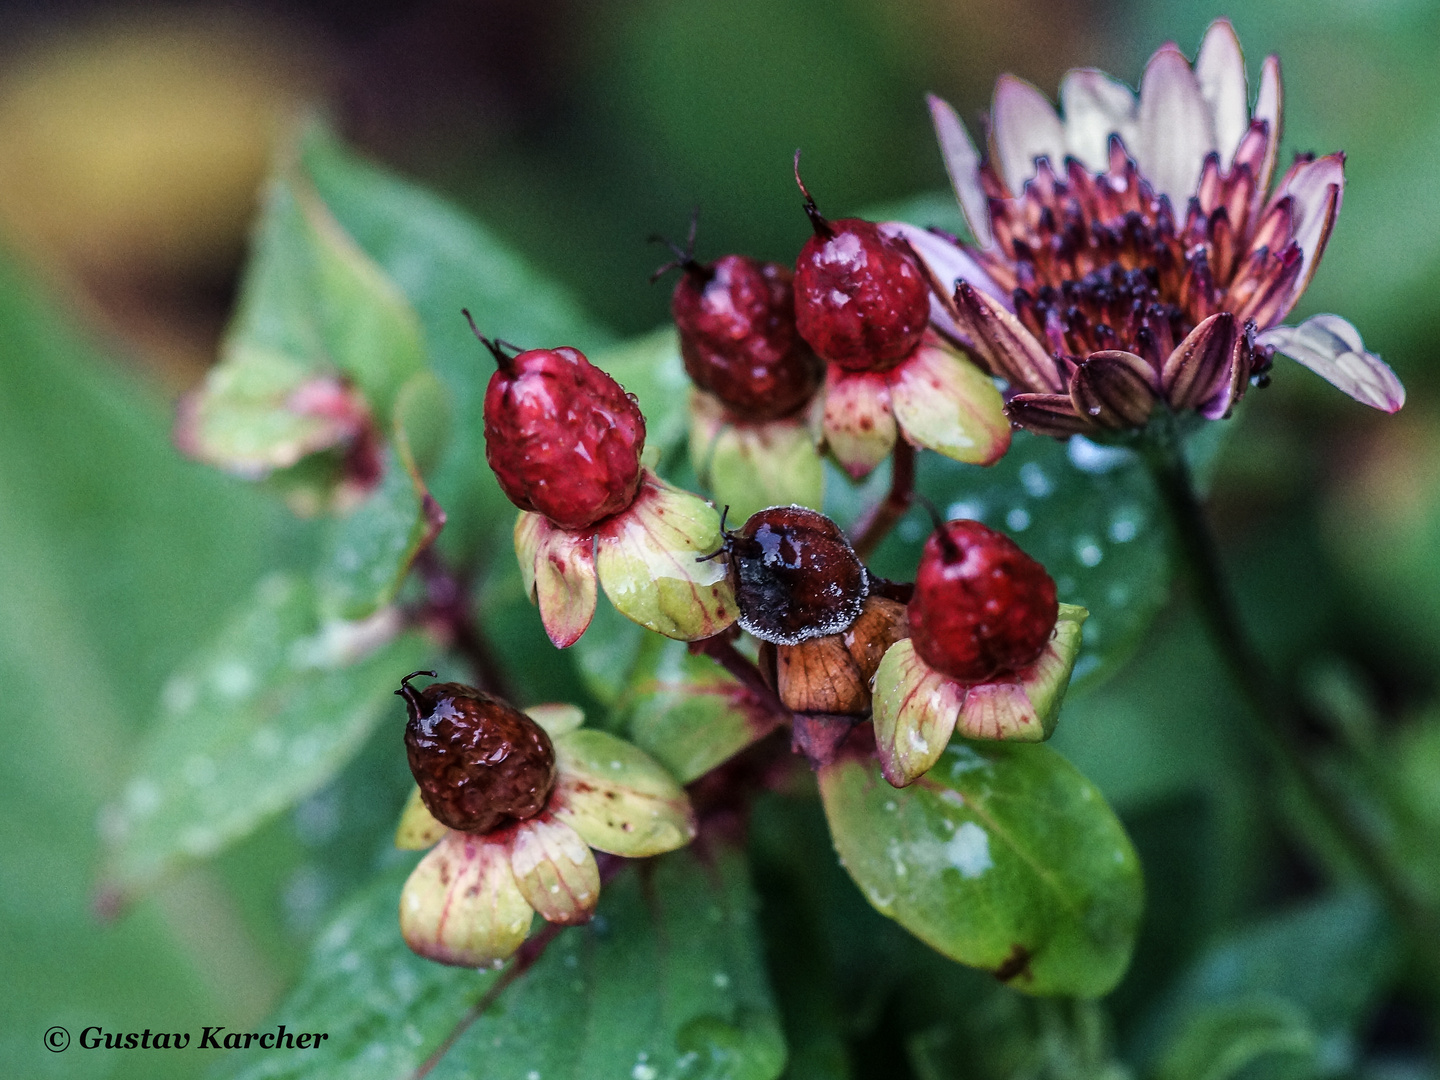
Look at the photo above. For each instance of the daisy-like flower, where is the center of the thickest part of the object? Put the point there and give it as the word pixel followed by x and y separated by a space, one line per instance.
pixel 565 442
pixel 1134 252
pixel 470 901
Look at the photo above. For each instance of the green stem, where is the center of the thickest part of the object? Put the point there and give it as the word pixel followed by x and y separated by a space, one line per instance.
pixel 1282 718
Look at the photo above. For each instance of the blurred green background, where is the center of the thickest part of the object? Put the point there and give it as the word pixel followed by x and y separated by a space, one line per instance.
pixel 132 143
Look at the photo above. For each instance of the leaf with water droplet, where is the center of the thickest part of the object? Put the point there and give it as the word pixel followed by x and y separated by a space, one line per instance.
pixel 259 719
pixel 632 994
pixel 1002 856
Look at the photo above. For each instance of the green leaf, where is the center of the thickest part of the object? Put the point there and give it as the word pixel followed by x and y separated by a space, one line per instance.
pixel 1224 1039
pixel 369 551
pixel 667 981
pixel 259 719
pixel 313 308
pixel 687 713
pixel 1003 857
pixel 1347 937
pixel 442 260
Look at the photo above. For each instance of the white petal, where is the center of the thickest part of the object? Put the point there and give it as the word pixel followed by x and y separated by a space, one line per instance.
pixel 1331 347
pixel 1026 128
pixel 962 162
pixel 1268 102
pixel 1313 186
pixel 1096 107
pixel 1220 70
pixel 1175 131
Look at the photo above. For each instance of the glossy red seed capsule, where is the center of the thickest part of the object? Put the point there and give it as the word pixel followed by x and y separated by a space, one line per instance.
pixel 861 301
pixel 981 606
pixel 479 762
pixel 562 436
pixel 795 575
pixel 736 319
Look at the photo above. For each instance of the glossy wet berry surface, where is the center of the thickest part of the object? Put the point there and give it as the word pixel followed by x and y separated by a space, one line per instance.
pixel 795 575
pixel 563 437
pixel 736 319
pixel 480 763
pixel 982 607
pixel 860 299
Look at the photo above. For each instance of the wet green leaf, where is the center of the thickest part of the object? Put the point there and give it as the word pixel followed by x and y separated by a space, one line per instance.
pixel 369 551
pixel 1003 857
pixel 259 719
pixel 1223 1040
pixel 667 981
pixel 688 714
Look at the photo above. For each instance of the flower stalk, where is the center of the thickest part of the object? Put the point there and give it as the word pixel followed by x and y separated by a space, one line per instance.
pixel 1282 717
pixel 871 529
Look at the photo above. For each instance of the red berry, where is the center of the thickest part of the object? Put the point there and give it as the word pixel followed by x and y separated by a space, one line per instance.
pixel 860 300
pixel 982 607
pixel 562 436
pixel 736 319
pixel 796 576
pixel 479 762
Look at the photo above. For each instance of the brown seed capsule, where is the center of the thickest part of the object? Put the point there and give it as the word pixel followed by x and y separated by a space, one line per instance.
pixel 832 674
pixel 795 575
pixel 479 762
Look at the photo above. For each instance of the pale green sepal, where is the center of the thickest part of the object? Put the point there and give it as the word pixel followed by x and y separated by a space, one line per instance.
pixel 1027 708
pixel 1002 856
pixel 649 560
pixel 858 426
pixel 462 906
pixel 418 828
pixel 749 467
pixel 945 403
pixel 529 528
pixel 555 870
pixel 617 797
pixel 915 709
pixel 557 718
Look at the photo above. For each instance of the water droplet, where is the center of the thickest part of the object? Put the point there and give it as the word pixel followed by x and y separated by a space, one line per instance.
pixel 1018 519
pixel 969 851
pixel 198 770
pixel 721 980
pixel 232 678
pixel 965 508
pixel 1088 551
pixel 1093 458
pixel 1125 525
pixel 1033 479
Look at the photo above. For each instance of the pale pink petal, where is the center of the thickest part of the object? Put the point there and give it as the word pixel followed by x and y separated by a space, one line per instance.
pixel 945 403
pixel 565 583
pixel 858 426
pixel 1268 103
pixel 1175 131
pixel 946 264
pixel 1220 70
pixel 555 870
pixel 1317 188
pixel 1025 706
pixel 1331 347
pixel 1026 128
pixel 462 906
pixel 1096 107
pixel 962 162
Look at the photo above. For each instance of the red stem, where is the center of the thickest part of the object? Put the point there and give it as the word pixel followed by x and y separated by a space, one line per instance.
pixel 722 650
pixel 883 516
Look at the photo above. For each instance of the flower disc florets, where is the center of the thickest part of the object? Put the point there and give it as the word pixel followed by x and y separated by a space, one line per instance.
pixel 562 436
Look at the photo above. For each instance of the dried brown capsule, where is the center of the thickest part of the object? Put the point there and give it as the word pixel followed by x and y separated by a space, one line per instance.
pixel 795 575
pixel 480 763
pixel 832 674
